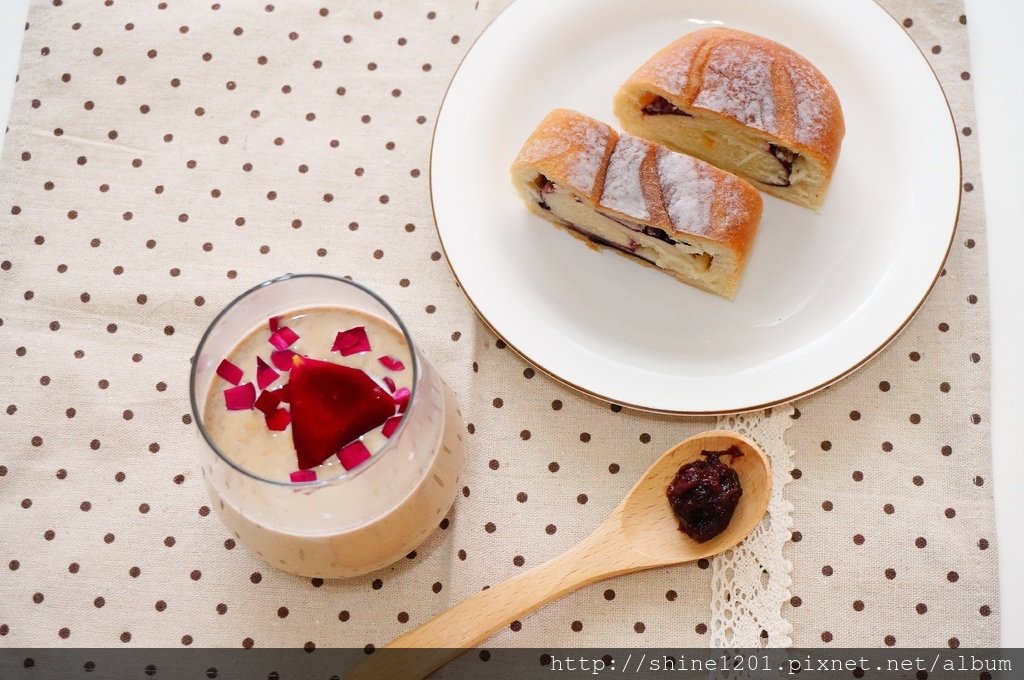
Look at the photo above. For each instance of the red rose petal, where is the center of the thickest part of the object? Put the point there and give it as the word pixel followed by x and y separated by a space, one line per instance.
pixel 353 454
pixel 227 370
pixel 282 360
pixel 283 338
pixel 300 476
pixel 278 420
pixel 391 425
pixel 390 383
pixel 352 341
pixel 269 400
pixel 275 323
pixel 391 363
pixel 264 374
pixel 402 399
pixel 240 398
pixel 332 405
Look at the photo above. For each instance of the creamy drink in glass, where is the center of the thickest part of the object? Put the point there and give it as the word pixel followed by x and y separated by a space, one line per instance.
pixel 279 381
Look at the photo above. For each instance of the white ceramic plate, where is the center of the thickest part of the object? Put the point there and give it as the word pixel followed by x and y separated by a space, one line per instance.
pixel 822 293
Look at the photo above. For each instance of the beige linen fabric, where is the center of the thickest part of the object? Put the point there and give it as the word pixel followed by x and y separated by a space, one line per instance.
pixel 165 156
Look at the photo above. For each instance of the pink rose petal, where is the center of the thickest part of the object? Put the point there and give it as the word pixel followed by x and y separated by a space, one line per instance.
pixel 278 420
pixel 352 341
pixel 391 425
pixel 390 383
pixel 230 372
pixel 391 363
pixel 282 360
pixel 353 454
pixel 402 399
pixel 240 398
pixel 275 323
pixel 269 400
pixel 285 394
pixel 300 476
pixel 264 374
pixel 283 338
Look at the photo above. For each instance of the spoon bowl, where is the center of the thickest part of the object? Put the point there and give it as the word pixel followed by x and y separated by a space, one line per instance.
pixel 648 523
pixel 641 533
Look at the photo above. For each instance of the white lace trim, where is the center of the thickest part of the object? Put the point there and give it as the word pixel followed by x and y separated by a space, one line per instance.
pixel 750 583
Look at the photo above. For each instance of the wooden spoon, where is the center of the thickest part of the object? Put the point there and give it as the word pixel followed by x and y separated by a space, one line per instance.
pixel 641 533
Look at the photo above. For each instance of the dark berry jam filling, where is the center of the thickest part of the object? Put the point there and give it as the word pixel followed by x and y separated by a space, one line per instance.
pixel 786 158
pixel 704 495
pixel 659 106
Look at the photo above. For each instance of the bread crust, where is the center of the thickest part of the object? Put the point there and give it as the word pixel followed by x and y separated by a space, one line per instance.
pixel 748 79
pixel 566 140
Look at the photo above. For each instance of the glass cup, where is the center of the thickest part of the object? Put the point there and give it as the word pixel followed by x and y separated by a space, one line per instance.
pixel 359 520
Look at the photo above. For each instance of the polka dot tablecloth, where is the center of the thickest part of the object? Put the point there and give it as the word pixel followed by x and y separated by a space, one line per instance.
pixel 162 157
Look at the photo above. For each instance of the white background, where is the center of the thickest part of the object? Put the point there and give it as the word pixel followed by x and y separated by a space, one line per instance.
pixel 994 29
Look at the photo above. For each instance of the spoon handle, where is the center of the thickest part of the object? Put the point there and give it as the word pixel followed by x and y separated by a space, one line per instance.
pixel 468 623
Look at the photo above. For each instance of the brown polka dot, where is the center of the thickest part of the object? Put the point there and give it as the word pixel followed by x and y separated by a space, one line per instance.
pixel 827 570
pixel 639 627
pixel 890 573
pixel 519 560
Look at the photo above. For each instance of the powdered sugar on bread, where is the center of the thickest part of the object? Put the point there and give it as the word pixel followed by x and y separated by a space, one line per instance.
pixel 671 68
pixel 813 102
pixel 622 188
pixel 688 190
pixel 585 144
pixel 737 81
